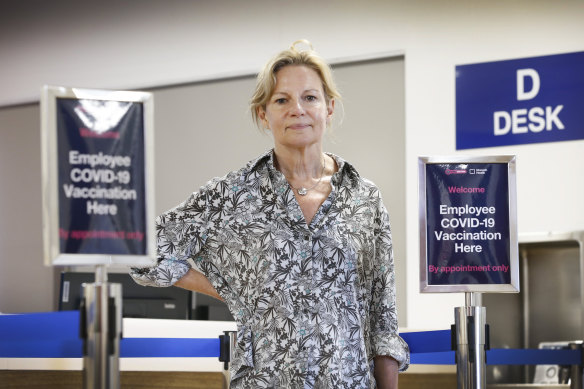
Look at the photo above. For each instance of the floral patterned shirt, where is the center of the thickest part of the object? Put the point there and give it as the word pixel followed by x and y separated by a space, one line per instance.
pixel 314 304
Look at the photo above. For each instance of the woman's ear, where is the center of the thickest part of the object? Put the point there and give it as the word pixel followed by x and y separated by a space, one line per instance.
pixel 262 116
pixel 330 110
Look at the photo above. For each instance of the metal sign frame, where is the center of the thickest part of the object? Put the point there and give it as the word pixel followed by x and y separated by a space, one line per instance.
pixel 513 254
pixel 53 254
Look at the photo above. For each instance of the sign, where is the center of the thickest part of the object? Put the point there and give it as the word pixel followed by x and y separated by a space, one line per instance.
pixel 522 101
pixel 468 228
pixel 97 177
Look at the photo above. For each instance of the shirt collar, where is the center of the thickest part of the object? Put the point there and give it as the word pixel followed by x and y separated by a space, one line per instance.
pixel 263 166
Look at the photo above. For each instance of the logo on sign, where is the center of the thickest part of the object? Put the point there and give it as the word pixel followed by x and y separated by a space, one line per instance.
pixel 101 117
pixel 455 171
pixel 523 120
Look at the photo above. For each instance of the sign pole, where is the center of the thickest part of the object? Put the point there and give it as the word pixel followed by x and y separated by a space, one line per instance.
pixel 470 323
pixel 101 318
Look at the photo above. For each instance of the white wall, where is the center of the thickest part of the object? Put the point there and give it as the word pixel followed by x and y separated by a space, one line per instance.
pixel 147 43
pixel 22 275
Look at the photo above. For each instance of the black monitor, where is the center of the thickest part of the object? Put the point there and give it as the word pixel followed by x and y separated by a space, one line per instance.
pixel 137 300
pixel 209 308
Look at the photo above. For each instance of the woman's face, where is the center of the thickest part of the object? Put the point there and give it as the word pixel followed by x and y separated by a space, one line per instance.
pixel 297 112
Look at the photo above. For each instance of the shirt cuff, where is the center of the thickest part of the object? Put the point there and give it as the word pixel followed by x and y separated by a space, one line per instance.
pixel 394 346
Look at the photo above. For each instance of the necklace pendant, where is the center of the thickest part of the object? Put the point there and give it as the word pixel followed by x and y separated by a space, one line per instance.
pixel 302 191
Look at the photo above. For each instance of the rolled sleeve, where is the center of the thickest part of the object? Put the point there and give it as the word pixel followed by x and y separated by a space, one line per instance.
pixel 392 345
pixel 385 339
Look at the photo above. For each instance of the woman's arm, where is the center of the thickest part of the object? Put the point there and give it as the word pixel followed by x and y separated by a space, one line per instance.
pixel 197 282
pixel 180 234
pixel 385 372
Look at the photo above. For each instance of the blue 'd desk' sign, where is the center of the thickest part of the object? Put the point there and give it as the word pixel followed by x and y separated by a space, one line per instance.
pixel 97 178
pixel 468 228
pixel 530 100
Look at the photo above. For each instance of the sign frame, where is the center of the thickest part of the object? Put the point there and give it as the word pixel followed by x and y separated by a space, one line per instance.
pixel 53 255
pixel 513 254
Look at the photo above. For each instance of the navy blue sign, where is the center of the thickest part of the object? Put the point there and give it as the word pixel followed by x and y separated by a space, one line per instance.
pixel 530 100
pixel 467 224
pixel 101 177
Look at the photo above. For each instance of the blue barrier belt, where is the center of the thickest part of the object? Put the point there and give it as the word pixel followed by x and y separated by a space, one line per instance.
pixel 40 326
pixel 504 356
pixel 428 341
pixel 129 348
pixel 169 347
pixel 56 335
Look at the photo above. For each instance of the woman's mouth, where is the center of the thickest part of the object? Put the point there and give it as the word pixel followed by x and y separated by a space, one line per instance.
pixel 298 126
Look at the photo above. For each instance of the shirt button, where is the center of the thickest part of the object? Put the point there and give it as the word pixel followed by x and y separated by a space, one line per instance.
pixel 306 238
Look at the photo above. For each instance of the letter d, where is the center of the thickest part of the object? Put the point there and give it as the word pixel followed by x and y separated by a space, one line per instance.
pixel 522 94
pixel 501 122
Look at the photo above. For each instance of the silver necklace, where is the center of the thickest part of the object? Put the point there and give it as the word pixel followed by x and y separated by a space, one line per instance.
pixel 302 191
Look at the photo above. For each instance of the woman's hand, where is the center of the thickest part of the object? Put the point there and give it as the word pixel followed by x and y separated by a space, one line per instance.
pixel 197 282
pixel 386 372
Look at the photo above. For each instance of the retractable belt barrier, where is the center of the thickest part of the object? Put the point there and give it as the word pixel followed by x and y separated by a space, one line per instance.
pixel 56 335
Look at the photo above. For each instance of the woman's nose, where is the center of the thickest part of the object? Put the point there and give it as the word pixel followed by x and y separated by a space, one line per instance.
pixel 297 107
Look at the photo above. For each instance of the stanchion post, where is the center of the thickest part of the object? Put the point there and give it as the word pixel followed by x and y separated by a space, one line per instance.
pixel 577 371
pixel 101 328
pixel 227 350
pixel 470 323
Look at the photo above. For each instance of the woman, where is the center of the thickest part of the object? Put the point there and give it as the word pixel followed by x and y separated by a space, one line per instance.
pixel 296 243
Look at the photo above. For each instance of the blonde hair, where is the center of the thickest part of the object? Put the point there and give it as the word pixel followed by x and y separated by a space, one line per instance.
pixel 266 79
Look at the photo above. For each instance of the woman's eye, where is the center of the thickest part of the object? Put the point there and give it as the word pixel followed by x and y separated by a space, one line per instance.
pixel 280 101
pixel 311 98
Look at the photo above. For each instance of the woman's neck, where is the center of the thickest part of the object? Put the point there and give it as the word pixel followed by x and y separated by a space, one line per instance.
pixel 301 164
